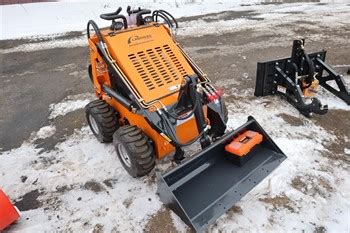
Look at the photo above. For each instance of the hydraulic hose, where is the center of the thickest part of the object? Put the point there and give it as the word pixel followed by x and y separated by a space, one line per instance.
pixel 96 29
pixel 157 13
pixel 171 16
pixel 166 19
pixel 166 16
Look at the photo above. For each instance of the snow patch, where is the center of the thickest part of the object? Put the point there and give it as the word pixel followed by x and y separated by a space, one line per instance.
pixel 79 160
pixel 70 104
pixel 50 44
pixel 84 183
pixel 347 151
pixel 178 223
pixel 272 16
pixel 24 20
pixel 74 16
pixel 331 100
pixel 45 132
pixel 334 102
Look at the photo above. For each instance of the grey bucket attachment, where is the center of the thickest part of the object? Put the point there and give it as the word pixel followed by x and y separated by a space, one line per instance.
pixel 203 188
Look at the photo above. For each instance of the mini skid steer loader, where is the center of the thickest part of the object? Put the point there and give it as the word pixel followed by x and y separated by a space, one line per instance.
pixel 297 78
pixel 153 101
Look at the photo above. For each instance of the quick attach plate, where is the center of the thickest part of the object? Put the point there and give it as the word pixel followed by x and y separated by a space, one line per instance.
pixel 266 83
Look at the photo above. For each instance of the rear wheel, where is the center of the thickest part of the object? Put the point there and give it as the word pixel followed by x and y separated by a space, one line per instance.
pixel 102 120
pixel 134 150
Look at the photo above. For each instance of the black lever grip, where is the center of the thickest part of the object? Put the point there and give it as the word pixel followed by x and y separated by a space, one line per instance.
pixel 129 11
pixel 109 16
pixel 114 16
pixel 139 16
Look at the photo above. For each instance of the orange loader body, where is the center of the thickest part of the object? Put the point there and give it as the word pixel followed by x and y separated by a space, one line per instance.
pixel 153 101
pixel 130 49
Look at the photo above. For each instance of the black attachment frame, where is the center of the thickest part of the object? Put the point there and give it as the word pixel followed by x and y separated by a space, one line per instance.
pixel 169 126
pixel 343 92
pixel 281 77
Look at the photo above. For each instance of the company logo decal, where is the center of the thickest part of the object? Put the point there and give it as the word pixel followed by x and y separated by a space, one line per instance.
pixel 134 40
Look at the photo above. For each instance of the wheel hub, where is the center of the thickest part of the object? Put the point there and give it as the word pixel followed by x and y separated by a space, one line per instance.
pixel 124 155
pixel 93 124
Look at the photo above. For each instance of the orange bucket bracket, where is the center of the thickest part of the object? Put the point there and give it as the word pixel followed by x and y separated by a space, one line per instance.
pixel 8 212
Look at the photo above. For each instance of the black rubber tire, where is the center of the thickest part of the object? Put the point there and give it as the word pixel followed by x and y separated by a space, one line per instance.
pixel 140 152
pixel 105 117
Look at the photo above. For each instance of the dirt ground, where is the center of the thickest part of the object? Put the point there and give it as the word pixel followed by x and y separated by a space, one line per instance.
pixel 31 81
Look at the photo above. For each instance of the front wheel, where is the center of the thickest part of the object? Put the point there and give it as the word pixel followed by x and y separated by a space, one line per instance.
pixel 102 120
pixel 134 150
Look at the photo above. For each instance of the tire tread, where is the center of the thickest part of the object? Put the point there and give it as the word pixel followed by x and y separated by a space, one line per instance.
pixel 106 118
pixel 139 148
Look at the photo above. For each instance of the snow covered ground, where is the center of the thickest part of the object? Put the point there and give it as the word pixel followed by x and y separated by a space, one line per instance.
pixel 38 27
pixel 63 16
pixel 24 20
pixel 81 186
